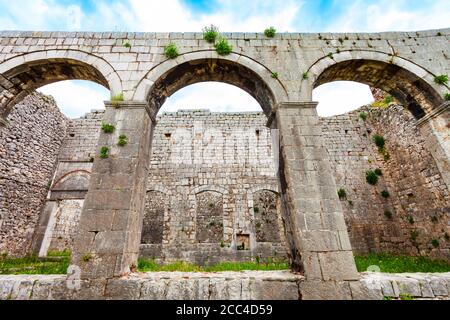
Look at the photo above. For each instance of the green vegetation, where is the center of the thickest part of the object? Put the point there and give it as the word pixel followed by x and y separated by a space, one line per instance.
pixel 270 32
pixel 414 235
pixel 104 152
pixel 379 141
pixel 371 177
pixel 256 209
pixel 442 79
pixel 411 220
pixel 439 34
pixel 123 140
pixel 145 265
pixel 341 40
pixel 330 55
pixel 87 257
pixel 363 116
pixel 378 172
pixel 171 51
pixel 223 47
pixel 127 45
pixel 275 75
pixel 388 100
pixel 305 76
pixel 388 214
pixel 400 264
pixel 435 243
pixel 405 297
pixel 117 98
pixel 56 263
pixel 385 194
pixel 342 193
pixel 447 96
pixel 108 128
pixel 210 34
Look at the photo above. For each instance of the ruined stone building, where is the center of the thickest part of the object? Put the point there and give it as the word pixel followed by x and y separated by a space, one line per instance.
pixel 206 187
pixel 212 194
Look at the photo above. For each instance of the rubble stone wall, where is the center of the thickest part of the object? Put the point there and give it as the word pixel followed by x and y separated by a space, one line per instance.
pixel 29 146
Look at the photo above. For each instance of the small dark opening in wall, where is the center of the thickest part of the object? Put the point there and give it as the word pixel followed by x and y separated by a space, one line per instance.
pixel 410 195
pixel 258 132
pixel 346 131
pixel 242 242
pixel 168 135
pixel 369 131
pixel 72 135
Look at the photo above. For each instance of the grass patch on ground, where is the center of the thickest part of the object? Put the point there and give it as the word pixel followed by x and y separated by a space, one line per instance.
pixel 401 264
pixel 145 265
pixel 57 263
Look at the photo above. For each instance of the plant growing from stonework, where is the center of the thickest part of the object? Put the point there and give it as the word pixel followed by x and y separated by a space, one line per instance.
pixel 435 243
pixel 275 75
pixel 442 79
pixel 127 45
pixel 411 220
pixel 87 257
pixel 342 193
pixel 434 219
pixel 108 128
pixel 363 116
pixel 104 152
pixel 223 47
pixel 117 97
pixel 305 75
pixel 385 194
pixel 171 51
pixel 270 32
pixel 379 141
pixel 371 177
pixel 222 244
pixel 405 297
pixel 378 172
pixel 123 140
pixel 388 214
pixel 210 34
pixel 447 96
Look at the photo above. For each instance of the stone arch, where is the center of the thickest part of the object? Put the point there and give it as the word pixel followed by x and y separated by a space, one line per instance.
pixel 22 74
pixel 204 188
pixel 408 82
pixel 273 187
pixel 235 69
pixel 159 188
pixel 73 181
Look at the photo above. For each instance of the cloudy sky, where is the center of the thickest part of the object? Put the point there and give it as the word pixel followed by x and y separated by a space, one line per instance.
pixel 78 97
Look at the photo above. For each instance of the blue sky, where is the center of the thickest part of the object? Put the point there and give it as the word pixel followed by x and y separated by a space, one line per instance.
pixel 229 15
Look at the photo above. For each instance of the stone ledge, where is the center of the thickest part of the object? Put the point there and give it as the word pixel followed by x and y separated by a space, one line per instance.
pixel 247 285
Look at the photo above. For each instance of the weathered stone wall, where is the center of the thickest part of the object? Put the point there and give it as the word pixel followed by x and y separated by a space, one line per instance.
pixel 418 207
pixel 250 285
pixel 227 159
pixel 29 147
pixel 210 167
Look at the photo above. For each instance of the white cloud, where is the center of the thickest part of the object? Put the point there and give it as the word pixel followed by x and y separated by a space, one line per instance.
pixel 217 97
pixel 76 98
pixel 340 97
pixel 388 15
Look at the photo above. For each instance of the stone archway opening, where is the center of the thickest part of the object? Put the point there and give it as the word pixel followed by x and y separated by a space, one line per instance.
pixel 409 89
pixel 211 218
pixel 21 76
pixel 210 70
pixel 414 145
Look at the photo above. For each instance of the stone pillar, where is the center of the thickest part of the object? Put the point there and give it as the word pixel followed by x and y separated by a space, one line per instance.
pixel 436 131
pixel 312 208
pixel 107 243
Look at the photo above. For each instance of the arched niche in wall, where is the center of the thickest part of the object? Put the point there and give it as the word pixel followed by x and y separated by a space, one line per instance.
pixel 155 209
pixel 209 216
